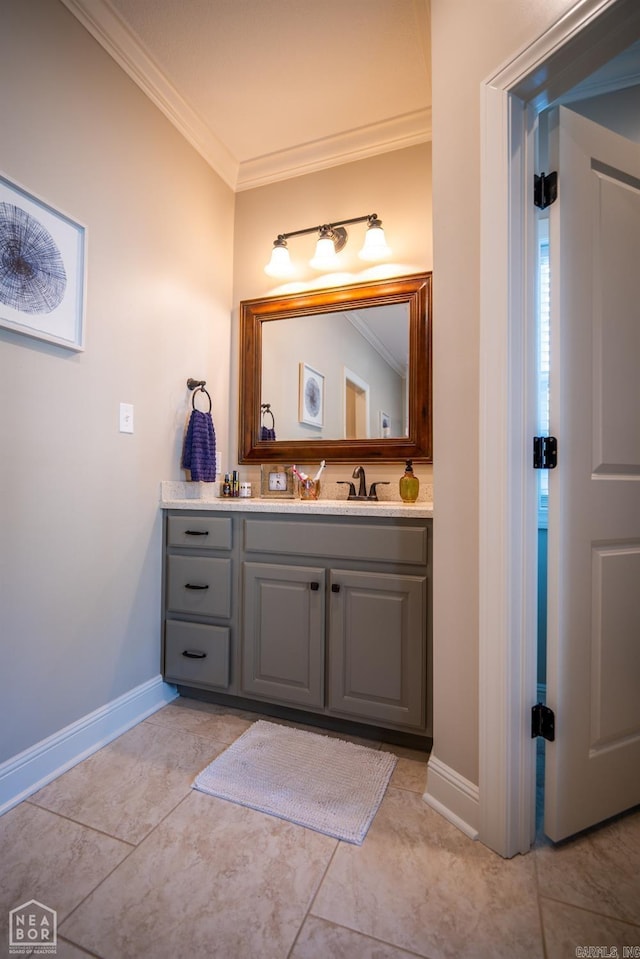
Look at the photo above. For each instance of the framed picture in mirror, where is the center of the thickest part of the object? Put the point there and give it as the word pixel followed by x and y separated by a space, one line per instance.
pixel 311 396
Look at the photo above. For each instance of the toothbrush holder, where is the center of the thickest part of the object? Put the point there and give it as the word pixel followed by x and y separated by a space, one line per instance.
pixel 309 489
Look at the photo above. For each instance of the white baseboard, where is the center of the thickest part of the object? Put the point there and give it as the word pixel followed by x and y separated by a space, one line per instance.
pixel 24 774
pixel 453 796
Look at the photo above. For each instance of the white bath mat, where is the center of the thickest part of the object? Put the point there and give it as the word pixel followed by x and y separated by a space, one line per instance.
pixel 326 784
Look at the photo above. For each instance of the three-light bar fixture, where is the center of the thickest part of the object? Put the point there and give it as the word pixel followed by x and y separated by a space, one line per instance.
pixel 332 238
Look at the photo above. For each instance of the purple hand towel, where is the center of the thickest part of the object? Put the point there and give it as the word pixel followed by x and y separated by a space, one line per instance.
pixel 199 451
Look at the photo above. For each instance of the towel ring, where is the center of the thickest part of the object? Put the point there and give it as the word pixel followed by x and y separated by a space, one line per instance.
pixel 193 398
pixel 266 408
pixel 198 386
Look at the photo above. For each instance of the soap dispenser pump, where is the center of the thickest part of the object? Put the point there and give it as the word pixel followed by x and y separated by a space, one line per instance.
pixel 409 484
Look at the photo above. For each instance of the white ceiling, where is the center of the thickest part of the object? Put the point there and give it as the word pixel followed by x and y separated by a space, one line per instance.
pixel 268 89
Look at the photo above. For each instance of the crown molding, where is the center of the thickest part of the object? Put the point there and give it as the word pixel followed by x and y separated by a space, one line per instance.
pixel 104 24
pixel 356 319
pixel 384 137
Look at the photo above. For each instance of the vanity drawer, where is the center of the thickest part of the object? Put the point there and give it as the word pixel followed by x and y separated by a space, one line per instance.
pixel 197 653
pixel 199 532
pixel 200 585
pixel 371 542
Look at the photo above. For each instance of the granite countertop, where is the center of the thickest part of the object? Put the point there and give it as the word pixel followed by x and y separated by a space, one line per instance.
pixel 201 496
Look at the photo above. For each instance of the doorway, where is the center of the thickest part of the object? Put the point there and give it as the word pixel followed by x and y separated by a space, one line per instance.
pixel 512 101
pixel 356 406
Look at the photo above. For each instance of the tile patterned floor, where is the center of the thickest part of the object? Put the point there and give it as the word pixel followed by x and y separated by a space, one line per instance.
pixel 138 864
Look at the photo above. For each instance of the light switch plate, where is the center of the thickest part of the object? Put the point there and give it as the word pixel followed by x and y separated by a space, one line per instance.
pixel 126 417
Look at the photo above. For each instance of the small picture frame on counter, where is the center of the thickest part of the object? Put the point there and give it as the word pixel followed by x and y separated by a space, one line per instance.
pixel 276 481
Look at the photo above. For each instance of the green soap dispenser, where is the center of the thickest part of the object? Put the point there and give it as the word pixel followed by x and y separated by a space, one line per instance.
pixel 409 484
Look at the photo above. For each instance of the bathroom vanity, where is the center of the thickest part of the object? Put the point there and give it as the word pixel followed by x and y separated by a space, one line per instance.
pixel 322 607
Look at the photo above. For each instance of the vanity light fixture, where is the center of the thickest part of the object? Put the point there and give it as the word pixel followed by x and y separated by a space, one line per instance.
pixel 332 238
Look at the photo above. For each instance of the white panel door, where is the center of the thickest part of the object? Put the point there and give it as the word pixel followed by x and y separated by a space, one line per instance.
pixel 593 678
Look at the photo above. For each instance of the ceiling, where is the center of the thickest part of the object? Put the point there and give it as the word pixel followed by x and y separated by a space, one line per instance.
pixel 269 89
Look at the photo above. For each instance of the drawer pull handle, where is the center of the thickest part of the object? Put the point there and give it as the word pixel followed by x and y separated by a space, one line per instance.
pixel 196 586
pixel 196 532
pixel 194 654
pixel 335 587
pixel 314 586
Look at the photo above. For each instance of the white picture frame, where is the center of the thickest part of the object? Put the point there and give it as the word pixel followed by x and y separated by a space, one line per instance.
pixel 311 396
pixel 42 269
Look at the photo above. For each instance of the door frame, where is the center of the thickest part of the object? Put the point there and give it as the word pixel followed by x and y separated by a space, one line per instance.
pixel 588 35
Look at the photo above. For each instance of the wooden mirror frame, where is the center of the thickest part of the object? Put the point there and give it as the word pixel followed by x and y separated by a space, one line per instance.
pixel 415 290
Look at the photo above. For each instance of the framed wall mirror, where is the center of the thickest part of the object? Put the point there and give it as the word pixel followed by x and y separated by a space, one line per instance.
pixel 342 374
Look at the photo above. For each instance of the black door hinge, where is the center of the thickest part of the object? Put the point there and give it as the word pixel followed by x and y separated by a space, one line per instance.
pixel 545 452
pixel 545 190
pixel 543 722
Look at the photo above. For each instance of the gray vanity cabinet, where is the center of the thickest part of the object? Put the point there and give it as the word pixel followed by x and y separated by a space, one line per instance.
pixel 324 613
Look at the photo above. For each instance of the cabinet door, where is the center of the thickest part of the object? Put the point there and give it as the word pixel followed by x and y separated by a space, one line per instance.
pixel 283 633
pixel 377 647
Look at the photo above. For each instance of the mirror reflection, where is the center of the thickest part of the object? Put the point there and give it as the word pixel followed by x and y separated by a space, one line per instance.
pixel 339 375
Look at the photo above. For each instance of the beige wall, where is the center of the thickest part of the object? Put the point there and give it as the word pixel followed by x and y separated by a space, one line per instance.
pixel 471 39
pixel 396 186
pixel 80 535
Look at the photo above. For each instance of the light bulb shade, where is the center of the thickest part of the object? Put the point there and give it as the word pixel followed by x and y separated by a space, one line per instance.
pixel 325 257
pixel 280 263
pixel 375 245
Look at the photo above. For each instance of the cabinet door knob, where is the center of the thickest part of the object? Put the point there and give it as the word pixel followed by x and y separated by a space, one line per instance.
pixel 314 586
pixel 194 654
pixel 196 532
pixel 196 586
pixel 335 587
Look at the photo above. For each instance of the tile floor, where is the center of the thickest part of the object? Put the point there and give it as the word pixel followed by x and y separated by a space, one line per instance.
pixel 137 864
